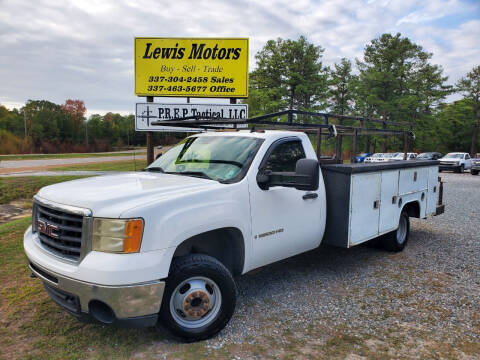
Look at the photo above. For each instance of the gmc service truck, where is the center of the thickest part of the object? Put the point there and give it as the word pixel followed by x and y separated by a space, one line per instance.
pixel 163 245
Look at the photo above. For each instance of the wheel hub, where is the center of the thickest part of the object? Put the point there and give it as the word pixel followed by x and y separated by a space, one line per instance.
pixel 196 304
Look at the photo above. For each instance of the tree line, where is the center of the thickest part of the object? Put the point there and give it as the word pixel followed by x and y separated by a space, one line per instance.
pixel 44 127
pixel 395 81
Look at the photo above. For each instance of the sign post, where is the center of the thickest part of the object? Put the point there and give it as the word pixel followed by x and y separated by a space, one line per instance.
pixel 149 139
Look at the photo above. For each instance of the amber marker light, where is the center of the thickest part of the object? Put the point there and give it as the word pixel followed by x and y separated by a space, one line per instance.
pixel 133 236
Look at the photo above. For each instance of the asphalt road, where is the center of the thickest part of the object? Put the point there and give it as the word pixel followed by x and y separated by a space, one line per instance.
pixel 16 164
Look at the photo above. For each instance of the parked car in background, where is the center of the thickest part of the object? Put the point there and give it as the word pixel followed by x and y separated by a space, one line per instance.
pixel 475 165
pixel 429 156
pixel 377 157
pixel 360 158
pixel 389 156
pixel 456 161
pixel 399 156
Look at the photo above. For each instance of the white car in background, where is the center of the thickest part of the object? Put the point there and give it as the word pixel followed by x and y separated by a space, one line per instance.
pixel 399 156
pixel 390 156
pixel 456 161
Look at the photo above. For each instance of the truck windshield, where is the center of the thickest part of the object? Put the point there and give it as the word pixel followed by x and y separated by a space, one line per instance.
pixel 221 158
pixel 454 156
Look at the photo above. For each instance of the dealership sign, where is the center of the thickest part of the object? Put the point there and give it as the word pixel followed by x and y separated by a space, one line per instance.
pixel 191 67
pixel 146 113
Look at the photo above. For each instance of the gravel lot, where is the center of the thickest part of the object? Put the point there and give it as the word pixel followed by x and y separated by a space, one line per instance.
pixel 364 302
pixel 361 303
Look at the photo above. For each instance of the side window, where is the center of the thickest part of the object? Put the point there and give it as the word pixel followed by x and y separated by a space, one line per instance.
pixel 467 156
pixel 285 156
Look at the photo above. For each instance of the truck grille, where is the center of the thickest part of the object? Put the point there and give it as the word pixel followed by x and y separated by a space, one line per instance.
pixel 59 232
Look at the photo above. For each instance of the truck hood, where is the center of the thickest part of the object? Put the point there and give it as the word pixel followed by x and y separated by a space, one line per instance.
pixel 111 195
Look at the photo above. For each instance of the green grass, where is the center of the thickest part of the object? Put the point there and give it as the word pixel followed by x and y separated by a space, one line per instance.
pixel 62 156
pixel 33 327
pixel 15 188
pixel 129 165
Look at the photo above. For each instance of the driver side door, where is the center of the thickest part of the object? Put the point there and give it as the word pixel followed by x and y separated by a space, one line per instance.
pixel 284 221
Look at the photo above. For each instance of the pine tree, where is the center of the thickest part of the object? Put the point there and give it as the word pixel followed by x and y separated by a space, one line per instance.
pixel 470 87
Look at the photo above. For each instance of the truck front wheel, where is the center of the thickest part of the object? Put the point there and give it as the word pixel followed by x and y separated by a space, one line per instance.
pixel 199 297
pixel 396 240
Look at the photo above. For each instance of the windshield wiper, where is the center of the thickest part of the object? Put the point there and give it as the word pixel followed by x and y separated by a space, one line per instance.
pixel 154 168
pixel 191 173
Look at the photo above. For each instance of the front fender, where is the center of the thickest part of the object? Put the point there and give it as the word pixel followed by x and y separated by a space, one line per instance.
pixel 171 221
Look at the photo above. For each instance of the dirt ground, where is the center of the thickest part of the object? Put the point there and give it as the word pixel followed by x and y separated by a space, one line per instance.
pixel 15 210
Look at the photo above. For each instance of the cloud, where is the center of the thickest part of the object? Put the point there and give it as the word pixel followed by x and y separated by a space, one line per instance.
pixel 56 50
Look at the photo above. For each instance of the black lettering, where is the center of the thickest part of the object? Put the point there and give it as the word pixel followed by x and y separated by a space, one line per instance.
pixel 181 52
pixel 228 53
pixel 175 51
pixel 215 49
pixel 221 53
pixel 196 51
pixel 166 52
pixel 146 55
pixel 160 113
pixel 207 53
pixel 156 53
pixel 184 112
pixel 236 53
pixel 176 112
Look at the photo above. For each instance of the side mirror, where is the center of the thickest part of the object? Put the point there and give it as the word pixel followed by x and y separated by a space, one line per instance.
pixel 305 177
pixel 307 172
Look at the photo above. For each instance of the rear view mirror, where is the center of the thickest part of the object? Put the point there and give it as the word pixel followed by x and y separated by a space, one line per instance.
pixel 307 172
pixel 304 178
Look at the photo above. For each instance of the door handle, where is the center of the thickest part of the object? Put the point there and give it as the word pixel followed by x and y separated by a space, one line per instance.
pixel 310 196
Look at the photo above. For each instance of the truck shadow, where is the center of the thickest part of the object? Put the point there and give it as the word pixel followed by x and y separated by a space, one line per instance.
pixel 326 264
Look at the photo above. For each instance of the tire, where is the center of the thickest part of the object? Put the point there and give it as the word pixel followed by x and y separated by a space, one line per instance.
pixel 474 172
pixel 396 241
pixel 199 298
pixel 461 169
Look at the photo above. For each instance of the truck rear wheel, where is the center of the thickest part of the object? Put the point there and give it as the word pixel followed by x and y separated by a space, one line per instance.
pixel 474 172
pixel 199 297
pixel 397 240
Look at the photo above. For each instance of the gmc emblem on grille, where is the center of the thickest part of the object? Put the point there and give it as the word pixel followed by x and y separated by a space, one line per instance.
pixel 46 228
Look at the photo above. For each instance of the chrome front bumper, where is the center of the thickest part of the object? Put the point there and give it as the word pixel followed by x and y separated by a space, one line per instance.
pixel 127 302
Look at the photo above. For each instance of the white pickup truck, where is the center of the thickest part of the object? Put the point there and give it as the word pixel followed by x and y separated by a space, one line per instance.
pixel 163 245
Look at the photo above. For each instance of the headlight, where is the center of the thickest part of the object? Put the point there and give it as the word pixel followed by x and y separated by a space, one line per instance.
pixel 117 235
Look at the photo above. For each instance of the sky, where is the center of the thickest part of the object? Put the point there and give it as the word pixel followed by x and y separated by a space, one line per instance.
pixel 57 49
